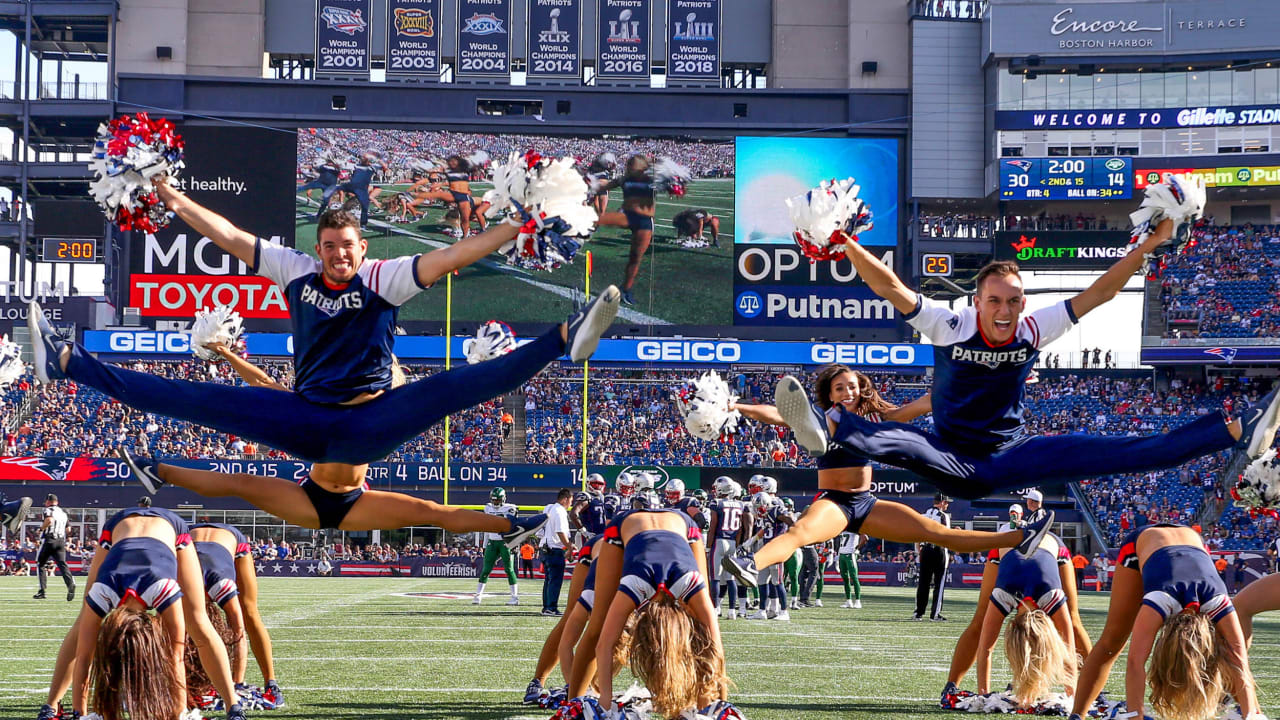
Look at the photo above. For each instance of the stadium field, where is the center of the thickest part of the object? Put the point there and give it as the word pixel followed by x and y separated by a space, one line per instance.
pixel 676 285
pixel 366 648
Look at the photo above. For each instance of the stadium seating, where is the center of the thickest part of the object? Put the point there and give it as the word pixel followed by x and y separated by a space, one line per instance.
pixel 1226 286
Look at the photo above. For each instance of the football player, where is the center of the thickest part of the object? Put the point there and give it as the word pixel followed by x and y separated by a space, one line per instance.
pixel 730 526
pixel 675 496
pixel 773 520
pixel 495 547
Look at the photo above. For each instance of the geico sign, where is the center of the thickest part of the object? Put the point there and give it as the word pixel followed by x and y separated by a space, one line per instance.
pixel 863 354
pixel 149 342
pixel 688 351
pixel 779 264
pixel 182 295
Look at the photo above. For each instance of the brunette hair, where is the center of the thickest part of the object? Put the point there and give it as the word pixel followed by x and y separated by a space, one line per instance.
pixel 133 671
pixel 637 165
pixel 675 657
pixel 869 399
pixel 1037 655
pixel 198 683
pixel 336 220
pixel 1188 671
pixel 999 268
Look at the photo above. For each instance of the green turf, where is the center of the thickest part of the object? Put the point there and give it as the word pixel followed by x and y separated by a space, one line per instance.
pixel 675 285
pixel 357 648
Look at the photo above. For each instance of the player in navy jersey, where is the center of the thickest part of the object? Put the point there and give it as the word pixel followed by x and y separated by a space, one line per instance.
pixel 144 561
pixel 730 525
pixel 982 357
pixel 772 520
pixel 589 511
pixel 675 498
pixel 845 502
pixel 653 563
pixel 1169 604
pixel 325 179
pixel 231 580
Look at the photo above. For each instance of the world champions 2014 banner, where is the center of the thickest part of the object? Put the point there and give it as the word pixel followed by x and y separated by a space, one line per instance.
pixel 693 40
pixel 413 38
pixel 554 43
pixel 342 38
pixel 484 39
pixel 622 40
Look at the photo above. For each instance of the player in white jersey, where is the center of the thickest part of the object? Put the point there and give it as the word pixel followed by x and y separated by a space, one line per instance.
pixel 495 547
pixel 850 545
pixel 53 546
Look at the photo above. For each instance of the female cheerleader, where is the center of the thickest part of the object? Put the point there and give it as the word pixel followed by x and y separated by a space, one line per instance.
pixel 456 189
pixel 966 652
pixel 845 503
pixel 1261 595
pixel 652 563
pixel 537 692
pixel 231 581
pixel 598 174
pixel 145 561
pixel 1168 596
pixel 689 225
pixel 1040 644
pixel 637 214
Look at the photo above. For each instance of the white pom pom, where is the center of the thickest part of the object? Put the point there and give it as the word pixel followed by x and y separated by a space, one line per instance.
pixel 825 215
pixel 478 159
pixel 11 366
pixel 219 325
pixel 191 714
pixel 705 405
pixel 1259 486
pixel 550 203
pixel 670 176
pixel 493 339
pixel 1181 200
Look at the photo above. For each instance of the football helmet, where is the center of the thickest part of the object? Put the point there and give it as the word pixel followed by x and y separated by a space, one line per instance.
pixel 674 490
pixel 645 481
pixel 596 485
pixel 626 484
pixel 769 485
pixel 789 504
pixel 755 484
pixel 497 496
pixel 723 487
pixel 700 495
pixel 762 502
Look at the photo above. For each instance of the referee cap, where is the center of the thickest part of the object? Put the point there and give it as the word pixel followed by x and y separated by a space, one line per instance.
pixel 940 497
pixel 51 498
pixel 1033 495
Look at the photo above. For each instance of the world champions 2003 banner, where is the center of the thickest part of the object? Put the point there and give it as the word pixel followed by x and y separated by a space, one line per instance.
pixel 554 40
pixel 342 38
pixel 484 39
pixel 622 40
pixel 413 38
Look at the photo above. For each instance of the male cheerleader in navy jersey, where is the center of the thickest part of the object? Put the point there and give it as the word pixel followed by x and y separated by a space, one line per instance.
pixel 343 412
pixel 357 185
pixel 983 355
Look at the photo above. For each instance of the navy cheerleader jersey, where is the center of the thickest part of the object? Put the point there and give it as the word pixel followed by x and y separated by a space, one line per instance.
pixel 342 335
pixel 977 386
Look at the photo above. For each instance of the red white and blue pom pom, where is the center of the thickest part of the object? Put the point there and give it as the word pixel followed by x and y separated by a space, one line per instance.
pixel 1258 490
pixel 1181 200
pixel 492 340
pixel 129 152
pixel 827 217
pixel 548 202
pixel 706 404
pixel 543 242
pixel 11 366
pixel 221 325
pixel 671 177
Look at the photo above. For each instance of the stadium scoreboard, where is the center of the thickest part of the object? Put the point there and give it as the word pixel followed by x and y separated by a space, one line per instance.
pixel 1067 178
pixel 935 265
pixel 65 250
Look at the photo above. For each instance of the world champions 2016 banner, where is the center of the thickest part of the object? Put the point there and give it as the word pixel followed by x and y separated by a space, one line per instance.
pixel 342 38
pixel 484 39
pixel 554 40
pixel 413 38
pixel 622 40
pixel 693 40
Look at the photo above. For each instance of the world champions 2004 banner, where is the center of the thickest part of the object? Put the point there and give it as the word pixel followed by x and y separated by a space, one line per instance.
pixel 413 38
pixel 342 38
pixel 622 40
pixel 693 40
pixel 554 40
pixel 484 39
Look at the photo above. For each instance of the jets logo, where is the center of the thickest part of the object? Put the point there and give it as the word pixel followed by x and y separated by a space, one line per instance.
pixel 347 22
pixel 1226 353
pixel 1023 165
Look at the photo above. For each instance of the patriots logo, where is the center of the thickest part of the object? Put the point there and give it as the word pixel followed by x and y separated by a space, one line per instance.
pixel 52 468
pixel 1023 165
pixel 953 322
pixel 1226 353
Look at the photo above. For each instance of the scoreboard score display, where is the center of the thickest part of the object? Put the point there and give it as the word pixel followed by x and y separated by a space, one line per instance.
pixel 1068 178
pixel 76 250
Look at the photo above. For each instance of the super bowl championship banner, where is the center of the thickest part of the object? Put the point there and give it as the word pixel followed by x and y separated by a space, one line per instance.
pixel 342 37
pixel 622 40
pixel 484 39
pixel 693 40
pixel 554 40
pixel 413 38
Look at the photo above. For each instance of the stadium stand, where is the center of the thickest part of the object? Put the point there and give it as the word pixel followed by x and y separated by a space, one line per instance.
pixel 1226 286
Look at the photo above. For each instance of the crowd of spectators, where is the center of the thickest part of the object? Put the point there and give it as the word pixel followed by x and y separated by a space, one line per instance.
pixel 1225 285
pixel 976 225
pixel 959 9
pixel 401 150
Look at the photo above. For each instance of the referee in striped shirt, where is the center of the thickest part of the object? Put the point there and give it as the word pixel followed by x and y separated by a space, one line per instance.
pixel 933 564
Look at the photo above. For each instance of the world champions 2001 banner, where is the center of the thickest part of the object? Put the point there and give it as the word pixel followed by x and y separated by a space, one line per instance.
pixel 342 38
pixel 484 39
pixel 554 40
pixel 622 40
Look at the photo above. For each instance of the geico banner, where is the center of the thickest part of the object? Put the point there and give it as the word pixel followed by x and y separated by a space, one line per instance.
pixel 785 265
pixel 1062 249
pixel 1139 118
pixel 180 296
pixel 813 306
pixel 644 350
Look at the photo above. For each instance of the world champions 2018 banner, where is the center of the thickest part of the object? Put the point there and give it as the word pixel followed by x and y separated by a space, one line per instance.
pixel 554 40
pixel 693 40
pixel 484 39
pixel 413 38
pixel 622 40
pixel 342 38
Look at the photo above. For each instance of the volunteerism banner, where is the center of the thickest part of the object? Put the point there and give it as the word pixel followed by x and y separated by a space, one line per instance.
pixel 1258 176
